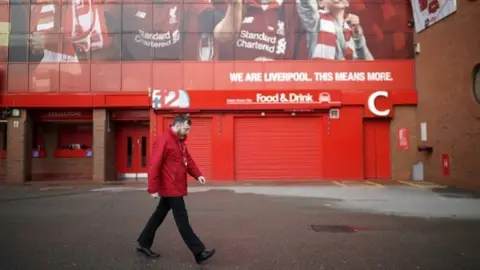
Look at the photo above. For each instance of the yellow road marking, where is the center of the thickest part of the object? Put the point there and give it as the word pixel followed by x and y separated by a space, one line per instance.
pixel 421 186
pixel 358 184
pixel 375 184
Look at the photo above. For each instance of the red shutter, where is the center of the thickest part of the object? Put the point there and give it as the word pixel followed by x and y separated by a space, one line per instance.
pixel 278 148
pixel 199 143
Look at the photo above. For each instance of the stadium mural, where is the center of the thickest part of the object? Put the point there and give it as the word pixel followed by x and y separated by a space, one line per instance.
pixel 130 46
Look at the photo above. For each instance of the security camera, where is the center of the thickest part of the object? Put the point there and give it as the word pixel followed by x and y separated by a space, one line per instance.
pixel 7 112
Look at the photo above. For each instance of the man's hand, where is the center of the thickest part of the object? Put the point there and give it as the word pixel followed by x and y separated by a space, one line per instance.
pixel 354 22
pixel 154 195
pixel 201 180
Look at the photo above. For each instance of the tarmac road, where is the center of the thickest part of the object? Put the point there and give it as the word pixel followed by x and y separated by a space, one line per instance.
pixel 80 229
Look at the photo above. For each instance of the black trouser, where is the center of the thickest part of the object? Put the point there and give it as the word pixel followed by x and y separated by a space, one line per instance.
pixel 177 204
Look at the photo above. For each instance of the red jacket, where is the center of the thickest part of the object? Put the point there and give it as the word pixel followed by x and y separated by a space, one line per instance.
pixel 167 174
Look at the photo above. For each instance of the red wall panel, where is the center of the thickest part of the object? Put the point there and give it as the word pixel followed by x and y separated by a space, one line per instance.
pixel 377 160
pixel 369 150
pixel 224 147
pixel 384 164
pixel 343 145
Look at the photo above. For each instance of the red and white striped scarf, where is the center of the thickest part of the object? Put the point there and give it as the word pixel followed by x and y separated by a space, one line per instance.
pixel 327 40
pixel 81 23
pixel 69 28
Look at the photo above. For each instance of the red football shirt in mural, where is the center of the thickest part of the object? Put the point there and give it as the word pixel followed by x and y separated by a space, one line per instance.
pixel 167 30
pixel 267 31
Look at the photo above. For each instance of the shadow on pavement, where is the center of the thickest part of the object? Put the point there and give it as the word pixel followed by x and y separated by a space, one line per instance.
pixel 453 192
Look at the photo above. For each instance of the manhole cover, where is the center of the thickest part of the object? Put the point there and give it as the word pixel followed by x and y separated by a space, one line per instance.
pixel 333 228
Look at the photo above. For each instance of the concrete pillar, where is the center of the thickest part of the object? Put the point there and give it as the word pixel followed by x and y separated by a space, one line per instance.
pixel 103 147
pixel 19 148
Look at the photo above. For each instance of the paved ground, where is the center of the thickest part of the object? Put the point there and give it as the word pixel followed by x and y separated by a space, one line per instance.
pixel 252 227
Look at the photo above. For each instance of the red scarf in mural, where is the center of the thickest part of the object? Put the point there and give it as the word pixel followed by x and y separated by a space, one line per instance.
pixel 82 24
pixel 327 40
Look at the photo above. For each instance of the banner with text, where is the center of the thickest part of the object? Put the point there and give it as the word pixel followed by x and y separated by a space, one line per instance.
pixel 244 100
pixel 428 12
pixel 294 75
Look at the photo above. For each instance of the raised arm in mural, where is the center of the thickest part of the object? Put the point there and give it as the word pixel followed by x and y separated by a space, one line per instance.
pixel 332 33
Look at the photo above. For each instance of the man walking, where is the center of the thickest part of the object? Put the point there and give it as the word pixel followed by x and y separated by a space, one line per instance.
pixel 167 178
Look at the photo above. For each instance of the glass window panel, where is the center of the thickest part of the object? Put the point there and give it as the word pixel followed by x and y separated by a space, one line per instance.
pixel 18 48
pixel 3 133
pixel 138 34
pixel 137 16
pixel 112 51
pixel 19 17
pixel 476 82
pixel 45 17
pixel 129 152
pixel 133 48
pixel 112 17
pixel 144 152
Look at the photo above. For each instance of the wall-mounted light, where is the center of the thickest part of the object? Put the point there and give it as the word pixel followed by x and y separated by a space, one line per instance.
pixel 15 112
pixel 262 114
pixel 423 131
pixel 293 114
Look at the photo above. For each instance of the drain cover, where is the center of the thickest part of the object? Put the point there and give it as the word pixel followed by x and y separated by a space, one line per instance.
pixel 333 228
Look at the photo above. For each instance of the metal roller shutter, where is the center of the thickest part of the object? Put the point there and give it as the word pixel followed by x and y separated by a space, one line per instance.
pixel 199 143
pixel 278 148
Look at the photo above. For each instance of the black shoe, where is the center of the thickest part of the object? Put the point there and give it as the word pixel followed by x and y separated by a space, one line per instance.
pixel 147 252
pixel 205 255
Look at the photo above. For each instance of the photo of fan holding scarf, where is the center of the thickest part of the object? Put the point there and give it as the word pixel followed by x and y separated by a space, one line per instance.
pixel 333 34
pixel 65 32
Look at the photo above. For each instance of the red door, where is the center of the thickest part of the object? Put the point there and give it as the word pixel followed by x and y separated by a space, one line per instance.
pixel 376 150
pixel 132 151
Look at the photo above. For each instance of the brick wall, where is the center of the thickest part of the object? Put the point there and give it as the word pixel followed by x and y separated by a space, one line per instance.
pixel 19 140
pixel 3 161
pixel 449 51
pixel 402 160
pixel 103 146
pixel 110 154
